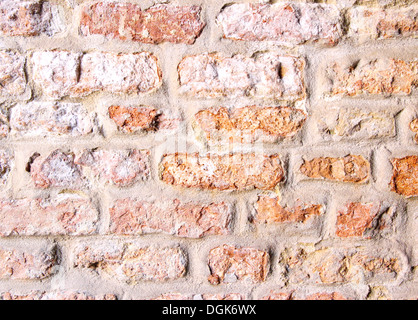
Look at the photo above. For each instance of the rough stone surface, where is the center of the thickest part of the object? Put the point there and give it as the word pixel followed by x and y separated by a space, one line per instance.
pixel 126 21
pixel 405 176
pixel 414 128
pixel 64 73
pixel 284 23
pixel 227 172
pixel 64 215
pixel 131 263
pixel 6 165
pixel 270 211
pixel 296 296
pixel 228 264
pixel 55 295
pixel 12 74
pixel 380 76
pixel 191 220
pixel 351 168
pixel 206 296
pixel 249 124
pixel 266 75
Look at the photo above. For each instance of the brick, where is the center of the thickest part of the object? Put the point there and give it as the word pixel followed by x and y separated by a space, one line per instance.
pixel 126 21
pixel 28 18
pixel 131 263
pixel 405 176
pixel 134 119
pixel 413 126
pixel 44 118
pixel 270 211
pixel 12 74
pixel 122 168
pixel 325 296
pixel 228 264
pixel 191 220
pixel 273 295
pixel 265 75
pixel 339 265
pixel 249 124
pixel 222 172
pixel 6 165
pixel 55 295
pixel 63 215
pixel 284 23
pixel 351 168
pixel 376 23
pixel 64 73
pixel 379 76
pixel 18 264
pixel 206 296
pixel 355 219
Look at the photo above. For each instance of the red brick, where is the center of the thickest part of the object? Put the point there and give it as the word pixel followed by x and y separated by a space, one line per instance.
pixel 43 118
pixel 55 295
pixel 64 73
pixel 270 211
pixel 222 172
pixel 191 220
pixel 325 296
pixel 265 75
pixel 284 23
pixel 249 124
pixel 12 74
pixel 131 263
pixel 273 295
pixel 295 296
pixel 379 23
pixel 413 126
pixel 126 21
pixel 19 264
pixel 133 119
pixel 380 76
pixel 206 296
pixel 351 168
pixel 405 176
pixel 64 215
pixel 228 264
pixel 6 164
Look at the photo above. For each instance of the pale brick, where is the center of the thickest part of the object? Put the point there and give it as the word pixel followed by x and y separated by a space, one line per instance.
pixel 222 172
pixel 351 168
pixel 126 21
pixel 379 76
pixel 228 264
pixel 274 295
pixel 405 176
pixel 55 295
pixel 12 74
pixel 266 75
pixel 44 118
pixel 249 124
pixel 413 126
pixel 19 264
pixel 6 165
pixel 206 296
pixel 283 23
pixel 131 263
pixel 63 215
pixel 63 73
pixel 192 220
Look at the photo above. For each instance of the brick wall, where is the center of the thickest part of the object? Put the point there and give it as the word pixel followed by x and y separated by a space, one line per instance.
pixel 208 149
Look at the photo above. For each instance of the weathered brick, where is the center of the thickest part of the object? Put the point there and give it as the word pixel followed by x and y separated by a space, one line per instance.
pixel 270 211
pixel 295 296
pixel 63 215
pixel 228 264
pixel 122 168
pixel 325 296
pixel 355 219
pixel 131 263
pixel 43 118
pixel 413 126
pixel 64 73
pixel 379 76
pixel 192 220
pixel 126 21
pixel 222 172
pixel 351 168
pixel 206 296
pixel 6 164
pixel 55 295
pixel 249 124
pixel 305 265
pixel 12 74
pixel 28 18
pixel 35 264
pixel 274 295
pixel 376 23
pixel 405 176
pixel 266 75
pixel 284 23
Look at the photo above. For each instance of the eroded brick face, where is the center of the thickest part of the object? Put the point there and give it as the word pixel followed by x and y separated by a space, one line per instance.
pixel 6 165
pixel 126 21
pixel 413 126
pixel 228 264
pixel 206 296
pixel 130 262
pixel 134 119
pixel 266 75
pixel 55 295
pixel 405 176
pixel 12 74
pixel 288 23
pixel 216 172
